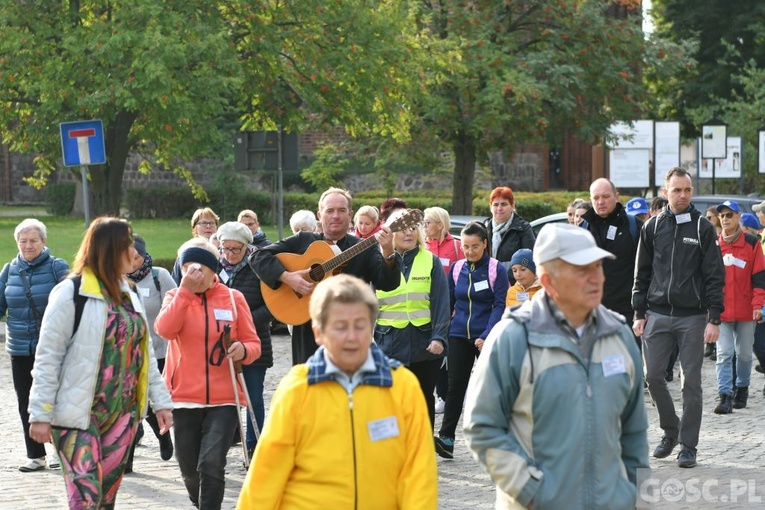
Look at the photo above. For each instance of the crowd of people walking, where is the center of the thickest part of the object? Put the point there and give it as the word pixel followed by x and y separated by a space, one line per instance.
pixel 568 329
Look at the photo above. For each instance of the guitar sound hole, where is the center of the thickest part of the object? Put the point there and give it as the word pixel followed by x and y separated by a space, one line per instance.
pixel 316 273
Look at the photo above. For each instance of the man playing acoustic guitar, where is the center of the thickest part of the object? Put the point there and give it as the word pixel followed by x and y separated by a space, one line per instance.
pixel 377 266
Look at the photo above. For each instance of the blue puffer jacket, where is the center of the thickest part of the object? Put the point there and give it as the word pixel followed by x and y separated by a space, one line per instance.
pixel 42 274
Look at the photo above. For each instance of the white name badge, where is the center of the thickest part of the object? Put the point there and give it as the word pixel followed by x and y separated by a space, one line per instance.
pixel 223 315
pixel 479 286
pixel 144 292
pixel 730 260
pixel 611 234
pixel 137 305
pixel 444 262
pixel 383 429
pixel 613 365
pixel 223 276
pixel 522 296
pixel 683 218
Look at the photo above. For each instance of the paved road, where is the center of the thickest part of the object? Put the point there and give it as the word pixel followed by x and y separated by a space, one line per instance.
pixel 730 473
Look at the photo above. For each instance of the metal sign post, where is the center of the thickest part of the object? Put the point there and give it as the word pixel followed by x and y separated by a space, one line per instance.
pixel 82 144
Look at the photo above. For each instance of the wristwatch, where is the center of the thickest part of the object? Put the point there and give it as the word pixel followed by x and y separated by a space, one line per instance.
pixel 713 322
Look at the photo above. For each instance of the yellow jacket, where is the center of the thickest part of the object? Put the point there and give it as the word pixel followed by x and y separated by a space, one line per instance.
pixel 512 293
pixel 322 448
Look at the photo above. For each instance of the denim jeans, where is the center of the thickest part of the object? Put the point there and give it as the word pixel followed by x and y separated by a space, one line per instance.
pixel 202 439
pixel 253 379
pixel 735 337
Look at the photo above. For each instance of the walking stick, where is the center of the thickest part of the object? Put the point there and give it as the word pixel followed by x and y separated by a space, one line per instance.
pixel 240 376
pixel 226 344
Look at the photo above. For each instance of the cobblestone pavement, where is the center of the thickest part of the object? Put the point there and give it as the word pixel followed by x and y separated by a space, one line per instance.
pixel 730 473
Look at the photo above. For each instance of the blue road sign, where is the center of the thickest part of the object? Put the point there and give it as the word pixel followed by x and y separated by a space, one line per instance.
pixel 82 143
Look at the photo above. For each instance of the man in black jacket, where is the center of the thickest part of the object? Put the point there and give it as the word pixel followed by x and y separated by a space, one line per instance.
pixel 616 232
pixel 678 299
pixel 376 265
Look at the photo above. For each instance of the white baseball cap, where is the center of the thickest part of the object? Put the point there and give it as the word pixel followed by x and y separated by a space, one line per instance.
pixel 569 243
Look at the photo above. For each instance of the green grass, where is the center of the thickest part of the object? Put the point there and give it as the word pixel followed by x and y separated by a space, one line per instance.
pixel 163 237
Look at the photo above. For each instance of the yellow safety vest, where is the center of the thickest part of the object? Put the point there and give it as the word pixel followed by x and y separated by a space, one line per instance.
pixel 410 301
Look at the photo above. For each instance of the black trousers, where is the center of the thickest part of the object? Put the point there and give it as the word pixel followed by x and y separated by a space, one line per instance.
pixel 462 355
pixel 202 438
pixel 427 374
pixel 21 368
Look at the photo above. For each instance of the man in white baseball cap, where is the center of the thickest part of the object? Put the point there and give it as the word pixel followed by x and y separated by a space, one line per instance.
pixel 561 373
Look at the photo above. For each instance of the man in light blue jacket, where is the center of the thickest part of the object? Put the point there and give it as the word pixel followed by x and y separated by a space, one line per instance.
pixel 555 410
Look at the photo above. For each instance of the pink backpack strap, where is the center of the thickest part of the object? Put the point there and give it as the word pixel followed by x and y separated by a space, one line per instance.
pixel 492 271
pixel 456 268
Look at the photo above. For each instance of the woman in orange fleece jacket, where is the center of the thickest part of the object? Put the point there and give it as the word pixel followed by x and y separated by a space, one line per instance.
pixel 196 368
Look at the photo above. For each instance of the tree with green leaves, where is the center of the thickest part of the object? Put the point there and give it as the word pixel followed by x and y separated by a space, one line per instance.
pixel 160 75
pixel 726 37
pixel 167 77
pixel 520 70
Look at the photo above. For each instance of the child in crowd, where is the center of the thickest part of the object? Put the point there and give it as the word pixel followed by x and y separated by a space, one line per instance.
pixel 525 274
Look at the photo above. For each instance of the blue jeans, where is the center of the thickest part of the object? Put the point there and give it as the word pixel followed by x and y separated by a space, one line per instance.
pixel 253 379
pixel 738 338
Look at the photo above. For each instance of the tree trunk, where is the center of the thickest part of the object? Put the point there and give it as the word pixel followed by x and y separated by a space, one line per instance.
pixel 106 180
pixel 464 149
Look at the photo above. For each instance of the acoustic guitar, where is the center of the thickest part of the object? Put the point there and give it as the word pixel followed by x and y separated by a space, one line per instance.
pixel 288 306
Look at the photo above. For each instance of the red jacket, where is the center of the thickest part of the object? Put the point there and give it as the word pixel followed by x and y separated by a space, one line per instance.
pixel 448 251
pixel 193 324
pixel 744 289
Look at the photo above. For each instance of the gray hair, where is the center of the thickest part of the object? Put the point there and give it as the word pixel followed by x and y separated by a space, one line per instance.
pixel 199 242
pixel 29 224
pixel 303 218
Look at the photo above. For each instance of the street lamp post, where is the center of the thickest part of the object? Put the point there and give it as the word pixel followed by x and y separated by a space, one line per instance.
pixel 714 143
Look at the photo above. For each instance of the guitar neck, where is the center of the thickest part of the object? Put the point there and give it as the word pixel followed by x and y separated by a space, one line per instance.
pixel 348 254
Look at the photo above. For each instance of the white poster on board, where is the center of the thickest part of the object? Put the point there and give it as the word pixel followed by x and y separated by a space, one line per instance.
pixel 728 168
pixel 629 168
pixel 639 135
pixel 713 142
pixel 761 152
pixel 666 150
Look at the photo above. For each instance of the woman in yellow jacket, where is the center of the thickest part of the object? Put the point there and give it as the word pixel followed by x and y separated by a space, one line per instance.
pixel 349 428
pixel 526 281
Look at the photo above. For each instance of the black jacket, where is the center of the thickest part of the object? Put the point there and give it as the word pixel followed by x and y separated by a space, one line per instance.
pixel 246 281
pixel 619 273
pixel 518 235
pixel 679 269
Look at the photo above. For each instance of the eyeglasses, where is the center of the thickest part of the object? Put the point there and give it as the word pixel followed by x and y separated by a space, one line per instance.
pixel 727 215
pixel 206 223
pixel 235 251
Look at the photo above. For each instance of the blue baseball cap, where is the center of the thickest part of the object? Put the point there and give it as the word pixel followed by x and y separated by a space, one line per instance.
pixel 524 257
pixel 729 204
pixel 637 206
pixel 750 220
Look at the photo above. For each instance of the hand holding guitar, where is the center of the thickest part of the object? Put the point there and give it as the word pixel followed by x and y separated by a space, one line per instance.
pixel 385 239
pixel 297 282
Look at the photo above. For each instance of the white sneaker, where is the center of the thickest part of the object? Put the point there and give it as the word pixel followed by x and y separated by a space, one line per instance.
pixel 33 465
pixel 440 405
pixel 54 463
